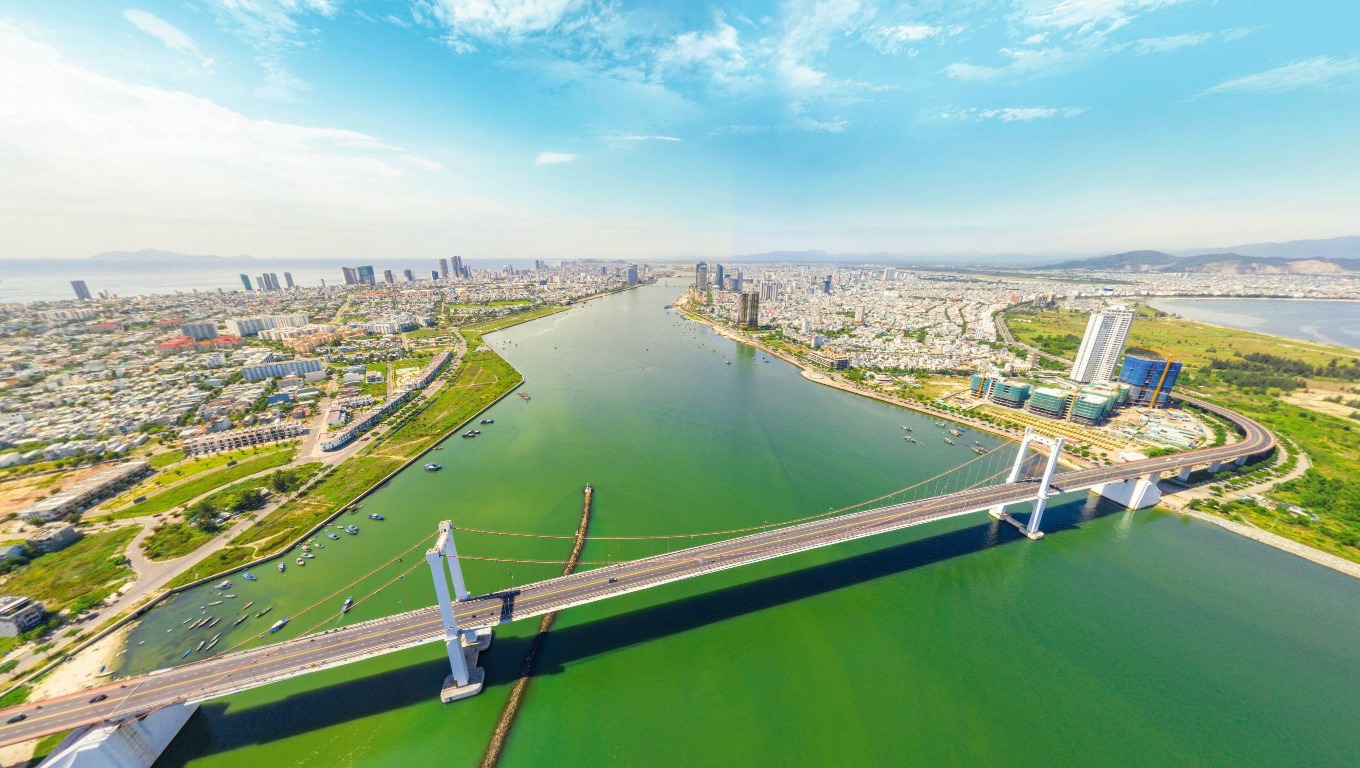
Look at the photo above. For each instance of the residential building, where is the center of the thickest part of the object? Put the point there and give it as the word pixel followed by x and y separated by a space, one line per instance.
pixel 82 290
pixel 1050 402
pixel 365 275
pixel 1102 345
pixel 245 280
pixel 701 276
pixel 444 268
pixel 834 362
pixel 1150 378
pixel 277 369
pixel 718 277
pixel 53 537
pixel 288 279
pixel 199 331
pixel 409 275
pixel 632 274
pixel 18 615
pixel 748 311
pixel 235 439
pixel 86 492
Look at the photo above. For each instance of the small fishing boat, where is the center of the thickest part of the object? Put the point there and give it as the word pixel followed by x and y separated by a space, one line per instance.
pixel 186 653
pixel 351 529
pixel 212 623
pixel 186 621
pixel 213 641
pixel 375 516
pixel 432 467
pixel 488 421
pixel 237 623
pixel 333 535
pixel 947 440
pixel 280 624
pixel 201 643
pixel 223 585
pixel 229 596
pixel 250 577
pixel 282 567
pixel 246 607
pixel 349 603
pixel 215 602
pixel 267 610
pixel 308 555
pixel 300 561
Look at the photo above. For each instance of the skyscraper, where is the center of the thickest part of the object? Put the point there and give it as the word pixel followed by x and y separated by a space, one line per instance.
pixel 351 275
pixel 748 311
pixel 701 276
pixel 288 279
pixel 82 290
pixel 826 284
pixel 410 276
pixel 718 277
pixel 1102 345
pixel 387 276
pixel 274 282
pixel 245 280
pixel 259 283
pixel 366 276
pixel 434 274
pixel 458 265
pixel 444 268
pixel 632 274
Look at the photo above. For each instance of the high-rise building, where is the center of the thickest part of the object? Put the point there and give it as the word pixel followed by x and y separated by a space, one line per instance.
pixel 199 330
pixel 701 276
pixel 434 274
pixel 748 311
pixel 1150 378
pixel 387 277
pixel 351 275
pixel 632 274
pixel 274 281
pixel 444 268
pixel 859 316
pixel 826 285
pixel 718 278
pixel 458 265
pixel 890 274
pixel 82 290
pixel 1102 345
pixel 410 276
pixel 366 276
pixel 259 283
pixel 288 279
pixel 245 280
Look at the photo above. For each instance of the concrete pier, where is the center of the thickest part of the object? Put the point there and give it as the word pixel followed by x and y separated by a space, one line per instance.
pixel 473 643
pixel 132 743
pixel 1134 493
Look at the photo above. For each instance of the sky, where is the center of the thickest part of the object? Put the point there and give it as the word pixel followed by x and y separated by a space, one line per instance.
pixel 564 129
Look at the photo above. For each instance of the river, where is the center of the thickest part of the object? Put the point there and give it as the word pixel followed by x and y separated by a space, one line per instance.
pixel 1328 322
pixel 1120 639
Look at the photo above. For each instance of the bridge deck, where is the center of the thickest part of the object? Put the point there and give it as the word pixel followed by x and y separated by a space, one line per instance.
pixel 221 675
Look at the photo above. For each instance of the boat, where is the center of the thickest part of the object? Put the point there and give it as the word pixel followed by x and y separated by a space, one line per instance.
pixel 955 432
pixel 212 623
pixel 199 623
pixel 186 653
pixel 215 602
pixel 349 603
pixel 306 547
pixel 250 577
pixel 911 439
pixel 375 516
pixel 300 561
pixel 201 643
pixel 308 555
pixel 526 397
pixel 229 596
pixel 351 529
pixel 237 623
pixel 333 536
pixel 267 610
pixel 186 621
pixel 280 624
pixel 979 451
pixel 223 585
pixel 431 467
pixel 282 567
pixel 488 421
pixel 947 440
pixel 213 641
pixel 470 434
pixel 246 607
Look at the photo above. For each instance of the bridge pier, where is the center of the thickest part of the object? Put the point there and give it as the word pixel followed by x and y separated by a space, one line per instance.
pixel 1184 475
pixel 134 742
pixel 463 645
pixel 1135 493
pixel 1031 528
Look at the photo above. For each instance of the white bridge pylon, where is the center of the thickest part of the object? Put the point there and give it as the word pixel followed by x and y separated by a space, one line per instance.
pixel 1054 445
pixel 464 645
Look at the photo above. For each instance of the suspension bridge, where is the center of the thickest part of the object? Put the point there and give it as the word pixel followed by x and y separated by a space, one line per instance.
pixel 463 622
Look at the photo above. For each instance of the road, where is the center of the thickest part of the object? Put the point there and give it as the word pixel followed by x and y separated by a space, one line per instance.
pixel 228 673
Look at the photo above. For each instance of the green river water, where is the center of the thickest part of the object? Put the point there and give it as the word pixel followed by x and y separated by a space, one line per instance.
pixel 1120 639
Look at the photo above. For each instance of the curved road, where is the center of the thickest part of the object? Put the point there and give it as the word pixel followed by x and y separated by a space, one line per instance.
pixel 228 673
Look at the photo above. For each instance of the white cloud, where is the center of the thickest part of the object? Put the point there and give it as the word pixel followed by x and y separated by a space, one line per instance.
pixel 496 21
pixel 553 158
pixel 169 35
pixel 1025 114
pixel 1308 73
pixel 1093 17
pixel 1023 61
pixel 272 30
pixel 718 51
pixel 637 137
pixel 900 37
pixel 1147 45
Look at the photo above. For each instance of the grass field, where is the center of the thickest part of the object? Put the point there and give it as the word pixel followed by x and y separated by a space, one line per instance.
pixel 169 499
pixel 186 470
pixel 1330 489
pixel 79 576
pixel 523 317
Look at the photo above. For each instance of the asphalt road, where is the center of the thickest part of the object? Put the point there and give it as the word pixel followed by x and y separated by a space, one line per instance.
pixel 220 675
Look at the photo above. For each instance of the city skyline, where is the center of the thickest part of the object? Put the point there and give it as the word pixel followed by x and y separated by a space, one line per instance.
pixel 640 131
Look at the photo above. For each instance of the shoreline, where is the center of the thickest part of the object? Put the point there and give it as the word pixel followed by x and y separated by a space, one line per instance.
pixel 1289 339
pixel 1316 556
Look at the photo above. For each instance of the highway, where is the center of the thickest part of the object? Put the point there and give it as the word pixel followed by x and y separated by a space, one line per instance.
pixel 228 673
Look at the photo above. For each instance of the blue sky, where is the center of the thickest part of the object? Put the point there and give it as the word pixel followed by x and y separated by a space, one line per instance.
pixel 569 128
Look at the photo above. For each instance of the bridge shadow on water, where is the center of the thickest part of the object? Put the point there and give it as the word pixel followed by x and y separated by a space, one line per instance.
pixel 217 728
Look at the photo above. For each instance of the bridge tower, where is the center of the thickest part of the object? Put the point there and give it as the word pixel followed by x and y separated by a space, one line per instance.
pixel 1054 445
pixel 463 645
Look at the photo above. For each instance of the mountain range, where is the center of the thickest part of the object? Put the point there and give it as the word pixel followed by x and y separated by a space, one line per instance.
pixel 151 254
pixel 1213 263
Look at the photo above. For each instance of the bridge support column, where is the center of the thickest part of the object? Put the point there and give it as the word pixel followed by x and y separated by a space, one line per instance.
pixel 1040 501
pixel 1134 493
pixel 1216 467
pixel 999 511
pixel 1184 475
pixel 463 646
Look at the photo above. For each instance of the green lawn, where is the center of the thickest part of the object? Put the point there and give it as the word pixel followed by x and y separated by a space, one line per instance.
pixel 174 540
pixel 189 469
pixel 167 500
pixel 162 460
pixel 516 319
pixel 79 576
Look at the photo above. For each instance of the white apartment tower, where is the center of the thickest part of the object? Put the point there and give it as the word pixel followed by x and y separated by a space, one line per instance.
pixel 1102 345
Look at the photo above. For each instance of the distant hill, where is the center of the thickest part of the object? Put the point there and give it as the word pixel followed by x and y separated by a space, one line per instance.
pixel 151 254
pixel 1210 263
pixel 1333 248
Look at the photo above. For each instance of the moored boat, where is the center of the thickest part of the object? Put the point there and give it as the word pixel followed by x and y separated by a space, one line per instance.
pixel 213 641
pixel 267 610
pixel 282 567
pixel 280 624
pixel 375 516
pixel 349 603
